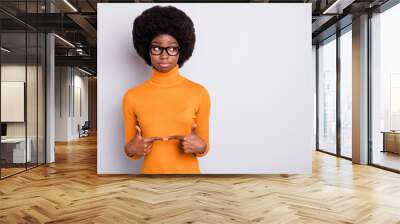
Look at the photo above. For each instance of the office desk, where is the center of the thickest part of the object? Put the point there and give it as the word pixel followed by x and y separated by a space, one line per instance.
pixel 13 150
pixel 391 141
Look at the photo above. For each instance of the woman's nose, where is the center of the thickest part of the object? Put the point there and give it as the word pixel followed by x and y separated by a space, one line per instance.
pixel 164 54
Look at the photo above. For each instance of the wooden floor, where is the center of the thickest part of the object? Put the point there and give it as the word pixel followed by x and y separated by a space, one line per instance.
pixel 70 191
pixel 5 172
pixel 387 159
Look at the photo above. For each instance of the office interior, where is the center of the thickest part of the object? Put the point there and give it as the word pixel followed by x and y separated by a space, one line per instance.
pixel 48 81
pixel 41 86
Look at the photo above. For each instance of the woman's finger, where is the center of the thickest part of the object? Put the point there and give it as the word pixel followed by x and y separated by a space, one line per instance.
pixel 138 131
pixel 184 148
pixel 188 140
pixel 186 144
pixel 151 139
pixel 188 151
pixel 177 137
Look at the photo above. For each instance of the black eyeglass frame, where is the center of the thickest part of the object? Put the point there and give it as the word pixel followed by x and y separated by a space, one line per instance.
pixel 164 48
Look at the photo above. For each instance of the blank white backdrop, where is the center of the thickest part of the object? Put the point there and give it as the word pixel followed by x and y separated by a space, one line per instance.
pixel 255 61
pixel 12 101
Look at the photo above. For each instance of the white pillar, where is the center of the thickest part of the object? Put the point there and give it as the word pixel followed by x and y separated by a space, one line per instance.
pixel 50 91
pixel 360 90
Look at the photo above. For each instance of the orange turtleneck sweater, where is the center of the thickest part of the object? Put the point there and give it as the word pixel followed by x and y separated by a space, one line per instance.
pixel 167 104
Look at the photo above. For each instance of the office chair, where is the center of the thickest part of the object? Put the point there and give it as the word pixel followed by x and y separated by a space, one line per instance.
pixel 84 130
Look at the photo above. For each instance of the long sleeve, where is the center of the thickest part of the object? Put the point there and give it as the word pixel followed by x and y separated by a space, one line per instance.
pixel 167 104
pixel 202 120
pixel 129 120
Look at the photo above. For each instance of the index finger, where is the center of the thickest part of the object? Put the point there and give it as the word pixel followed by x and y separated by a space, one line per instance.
pixel 151 139
pixel 177 137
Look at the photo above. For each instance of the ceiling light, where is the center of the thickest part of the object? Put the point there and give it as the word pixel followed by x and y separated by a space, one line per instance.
pixel 86 72
pixel 70 5
pixel 5 50
pixel 64 40
pixel 338 6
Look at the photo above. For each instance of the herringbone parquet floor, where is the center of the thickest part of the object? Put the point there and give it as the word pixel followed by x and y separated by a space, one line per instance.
pixel 70 191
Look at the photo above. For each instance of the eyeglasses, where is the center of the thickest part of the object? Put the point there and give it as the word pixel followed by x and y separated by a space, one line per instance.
pixel 157 50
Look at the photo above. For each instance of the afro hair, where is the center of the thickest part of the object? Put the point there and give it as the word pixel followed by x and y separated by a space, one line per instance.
pixel 163 20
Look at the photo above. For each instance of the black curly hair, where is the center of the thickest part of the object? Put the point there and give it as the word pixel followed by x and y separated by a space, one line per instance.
pixel 163 20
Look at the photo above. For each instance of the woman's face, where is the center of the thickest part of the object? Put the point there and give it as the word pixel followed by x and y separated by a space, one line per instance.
pixel 164 62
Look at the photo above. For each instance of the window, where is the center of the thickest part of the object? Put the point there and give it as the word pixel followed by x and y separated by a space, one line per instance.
pixel 22 78
pixel 346 93
pixel 327 96
pixel 385 88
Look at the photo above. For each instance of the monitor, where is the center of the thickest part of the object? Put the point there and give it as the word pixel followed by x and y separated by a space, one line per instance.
pixel 3 129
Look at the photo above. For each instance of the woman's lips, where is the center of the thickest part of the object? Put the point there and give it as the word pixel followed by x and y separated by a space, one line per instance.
pixel 164 65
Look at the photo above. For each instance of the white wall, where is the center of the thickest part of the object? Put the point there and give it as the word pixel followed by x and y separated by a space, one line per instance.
pixel 17 73
pixel 255 61
pixel 80 89
pixel 12 99
pixel 61 103
pixel 33 127
pixel 314 73
pixel 68 82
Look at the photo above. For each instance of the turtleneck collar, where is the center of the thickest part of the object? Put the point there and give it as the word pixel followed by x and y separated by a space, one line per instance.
pixel 170 78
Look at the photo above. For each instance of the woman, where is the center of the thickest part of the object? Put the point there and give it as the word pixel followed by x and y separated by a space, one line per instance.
pixel 166 117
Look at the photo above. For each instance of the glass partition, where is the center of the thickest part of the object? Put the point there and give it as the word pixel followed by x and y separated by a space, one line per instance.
pixel 32 95
pixel 346 93
pixel 13 109
pixel 327 96
pixel 22 78
pixel 385 89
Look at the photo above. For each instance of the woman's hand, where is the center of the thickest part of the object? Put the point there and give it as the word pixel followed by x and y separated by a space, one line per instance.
pixel 192 143
pixel 139 145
